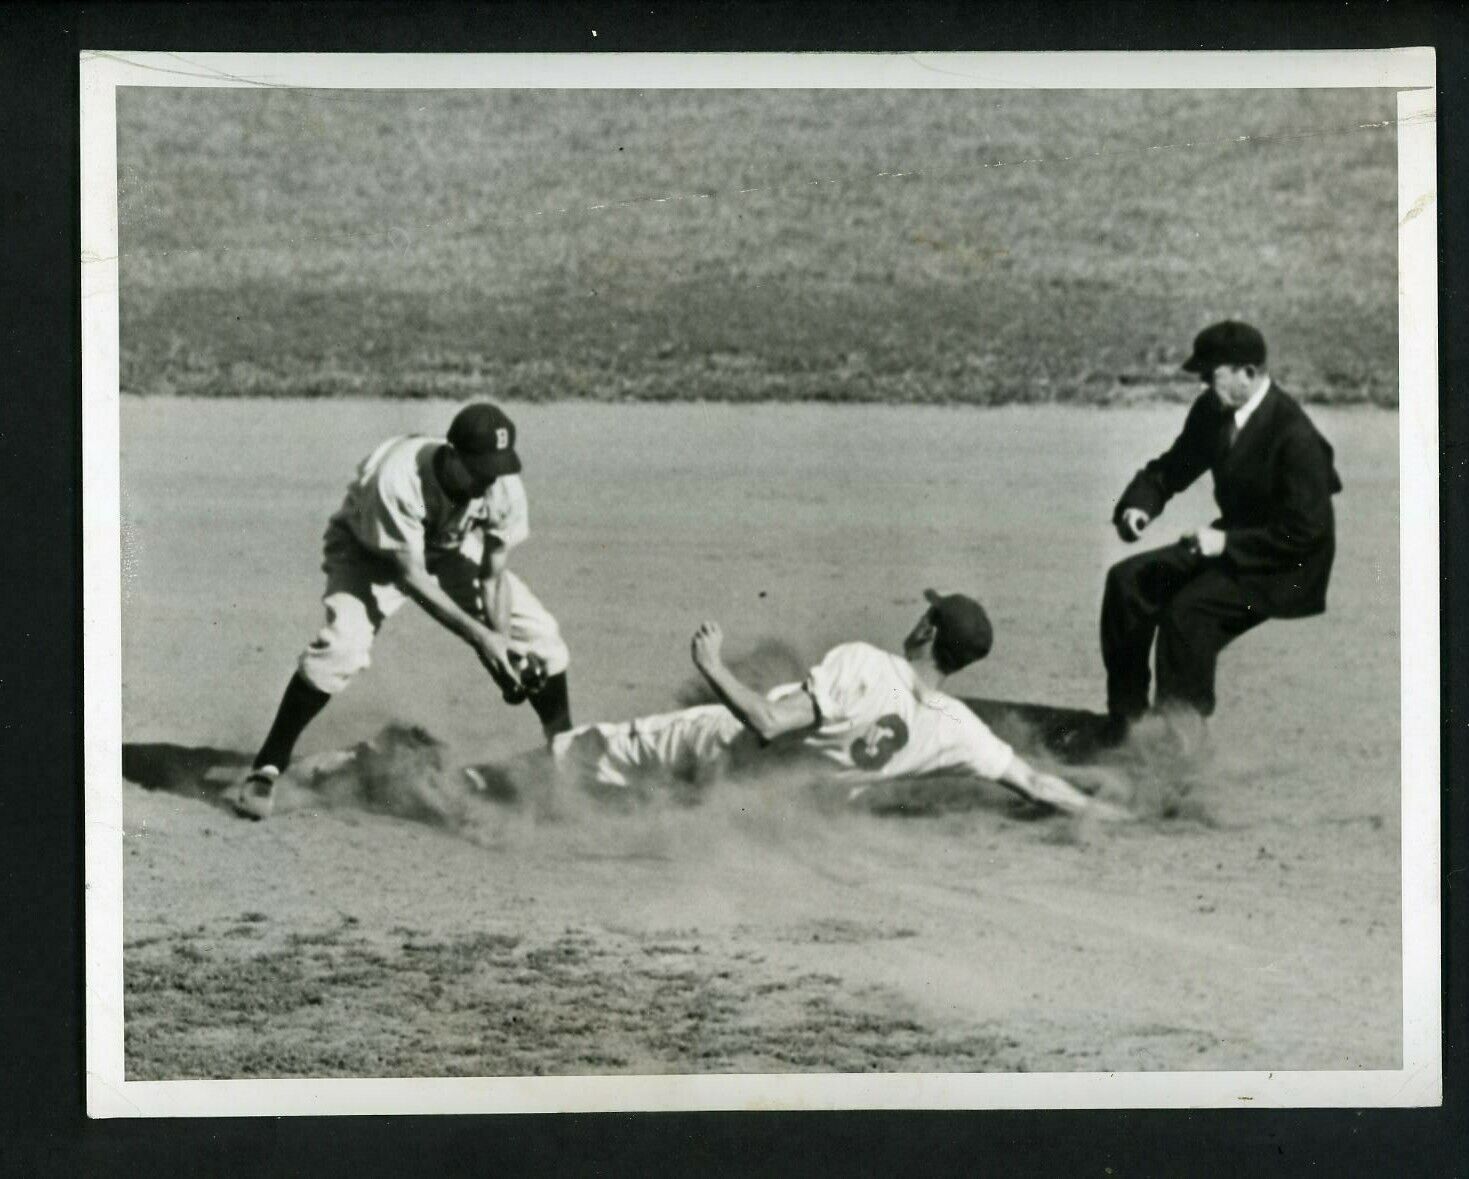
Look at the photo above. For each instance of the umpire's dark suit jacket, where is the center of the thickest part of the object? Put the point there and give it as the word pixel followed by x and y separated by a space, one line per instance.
pixel 1273 486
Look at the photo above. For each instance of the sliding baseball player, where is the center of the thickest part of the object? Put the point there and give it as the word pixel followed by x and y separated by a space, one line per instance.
pixel 862 714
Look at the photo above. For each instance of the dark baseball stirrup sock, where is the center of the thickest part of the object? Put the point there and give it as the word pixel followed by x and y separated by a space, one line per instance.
pixel 553 705
pixel 299 705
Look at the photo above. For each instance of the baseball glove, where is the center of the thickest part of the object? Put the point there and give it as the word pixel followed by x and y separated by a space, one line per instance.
pixel 532 671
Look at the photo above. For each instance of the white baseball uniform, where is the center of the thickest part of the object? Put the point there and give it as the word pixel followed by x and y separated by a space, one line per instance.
pixel 875 719
pixel 396 504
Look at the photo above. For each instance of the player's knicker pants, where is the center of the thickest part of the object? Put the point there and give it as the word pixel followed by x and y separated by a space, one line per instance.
pixel 361 595
pixel 690 745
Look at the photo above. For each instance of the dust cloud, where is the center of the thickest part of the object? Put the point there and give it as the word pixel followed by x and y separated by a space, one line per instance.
pixel 1165 772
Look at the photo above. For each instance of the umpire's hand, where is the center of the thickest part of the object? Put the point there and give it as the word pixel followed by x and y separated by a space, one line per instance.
pixel 1131 522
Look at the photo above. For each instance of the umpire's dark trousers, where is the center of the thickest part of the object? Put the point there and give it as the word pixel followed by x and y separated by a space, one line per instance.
pixel 1193 605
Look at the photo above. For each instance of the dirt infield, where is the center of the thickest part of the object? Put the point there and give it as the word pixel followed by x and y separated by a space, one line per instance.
pixel 1256 927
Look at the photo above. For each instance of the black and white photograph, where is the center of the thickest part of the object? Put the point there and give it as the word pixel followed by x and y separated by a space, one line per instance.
pixel 776 581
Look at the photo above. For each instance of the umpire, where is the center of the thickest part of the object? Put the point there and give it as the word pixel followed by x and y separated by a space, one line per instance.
pixel 1269 554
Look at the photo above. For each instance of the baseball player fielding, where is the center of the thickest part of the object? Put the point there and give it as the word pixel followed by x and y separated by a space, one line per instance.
pixel 434 520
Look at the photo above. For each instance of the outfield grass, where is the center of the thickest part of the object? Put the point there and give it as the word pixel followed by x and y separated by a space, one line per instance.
pixel 862 245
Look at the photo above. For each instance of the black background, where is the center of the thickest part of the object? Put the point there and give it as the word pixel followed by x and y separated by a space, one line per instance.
pixel 43 1128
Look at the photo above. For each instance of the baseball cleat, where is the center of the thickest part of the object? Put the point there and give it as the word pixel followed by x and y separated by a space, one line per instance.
pixel 491 782
pixel 256 797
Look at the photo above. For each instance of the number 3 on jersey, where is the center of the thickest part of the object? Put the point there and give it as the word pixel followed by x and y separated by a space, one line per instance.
pixel 875 748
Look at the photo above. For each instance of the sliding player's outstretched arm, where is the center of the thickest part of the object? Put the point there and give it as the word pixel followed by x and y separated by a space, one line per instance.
pixel 1037 786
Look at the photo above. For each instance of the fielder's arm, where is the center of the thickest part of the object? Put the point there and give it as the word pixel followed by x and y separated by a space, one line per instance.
pixel 1026 780
pixel 415 580
pixel 495 587
pixel 768 719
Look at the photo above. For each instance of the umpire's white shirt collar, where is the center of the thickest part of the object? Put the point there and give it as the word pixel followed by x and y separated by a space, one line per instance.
pixel 1242 414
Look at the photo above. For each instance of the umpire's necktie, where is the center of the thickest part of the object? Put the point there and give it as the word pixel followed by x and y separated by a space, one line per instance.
pixel 1230 433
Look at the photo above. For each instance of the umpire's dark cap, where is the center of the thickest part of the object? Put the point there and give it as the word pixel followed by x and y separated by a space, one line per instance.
pixel 1230 342
pixel 484 438
pixel 964 631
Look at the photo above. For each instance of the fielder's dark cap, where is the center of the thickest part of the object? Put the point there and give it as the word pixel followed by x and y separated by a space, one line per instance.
pixel 1230 342
pixel 964 631
pixel 484 438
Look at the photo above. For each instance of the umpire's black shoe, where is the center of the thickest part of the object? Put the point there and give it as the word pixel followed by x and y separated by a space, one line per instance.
pixel 1113 731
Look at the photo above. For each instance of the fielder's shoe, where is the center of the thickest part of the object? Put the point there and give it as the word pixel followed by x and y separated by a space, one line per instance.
pixel 256 797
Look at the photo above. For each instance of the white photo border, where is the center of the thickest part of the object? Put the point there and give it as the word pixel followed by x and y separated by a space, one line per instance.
pixel 1418 1082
